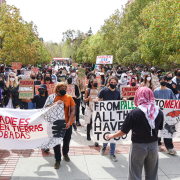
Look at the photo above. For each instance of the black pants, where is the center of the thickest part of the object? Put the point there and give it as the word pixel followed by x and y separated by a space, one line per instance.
pixel 77 109
pixel 168 143
pixel 89 128
pixel 65 149
pixel 23 105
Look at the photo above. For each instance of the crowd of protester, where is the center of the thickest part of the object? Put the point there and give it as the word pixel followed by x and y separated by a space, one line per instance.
pixel 111 82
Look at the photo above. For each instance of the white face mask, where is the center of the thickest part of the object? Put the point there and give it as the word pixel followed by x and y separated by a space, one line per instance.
pixel 125 79
pixel 136 78
pixel 148 78
pixel 11 79
pixel 129 77
pixel 53 80
pixel 73 74
pixel 113 74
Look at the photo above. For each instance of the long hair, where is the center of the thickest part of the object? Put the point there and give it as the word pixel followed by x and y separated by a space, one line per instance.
pixel 145 80
pixel 15 83
pixel 89 84
pixel 45 77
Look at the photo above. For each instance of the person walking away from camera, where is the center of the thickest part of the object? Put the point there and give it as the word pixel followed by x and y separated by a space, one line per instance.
pixel 144 121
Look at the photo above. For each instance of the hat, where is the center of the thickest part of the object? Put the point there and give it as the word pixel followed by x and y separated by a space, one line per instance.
pixel 2 64
pixel 153 68
pixel 108 71
pixel 101 74
pixel 7 68
pixel 39 65
pixel 43 86
pixel 49 68
pixel 70 65
pixel 69 77
pixel 159 71
pixel 73 70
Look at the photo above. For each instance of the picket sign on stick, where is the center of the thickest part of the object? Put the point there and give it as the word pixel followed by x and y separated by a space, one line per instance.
pixel 16 65
pixel 70 90
pixel 93 94
pixel 26 88
pixel 32 129
pixel 34 69
pixel 128 92
pixel 50 88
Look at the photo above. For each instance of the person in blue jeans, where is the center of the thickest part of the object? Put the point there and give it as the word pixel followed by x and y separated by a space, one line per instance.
pixel 108 94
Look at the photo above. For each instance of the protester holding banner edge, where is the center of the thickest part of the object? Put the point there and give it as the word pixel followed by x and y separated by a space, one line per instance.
pixel 144 121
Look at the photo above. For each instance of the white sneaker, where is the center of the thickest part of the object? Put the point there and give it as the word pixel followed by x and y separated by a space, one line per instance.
pixel 113 157
pixel 171 151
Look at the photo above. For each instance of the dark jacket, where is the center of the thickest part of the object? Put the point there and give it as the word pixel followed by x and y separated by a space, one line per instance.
pixel 15 96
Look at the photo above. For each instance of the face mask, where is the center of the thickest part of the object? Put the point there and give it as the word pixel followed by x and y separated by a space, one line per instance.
pixel 41 91
pixel 11 79
pixel 95 84
pixel 148 78
pixel 118 74
pixel 113 86
pixel 133 84
pixel 136 78
pixel 163 83
pixel 44 71
pixel 33 77
pixel 125 79
pixel 152 72
pixel 178 73
pixel 159 75
pixel 1 83
pixel 169 78
pixel 48 78
pixel 60 72
pixel 62 92
pixel 145 69
pixel 39 77
pixel 129 77
pixel 69 81
pixel 113 74
pixel 73 74
pixel 53 81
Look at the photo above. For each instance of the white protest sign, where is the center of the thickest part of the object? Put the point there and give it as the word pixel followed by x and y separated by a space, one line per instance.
pixel 105 59
pixel 108 117
pixel 31 129
pixel 171 111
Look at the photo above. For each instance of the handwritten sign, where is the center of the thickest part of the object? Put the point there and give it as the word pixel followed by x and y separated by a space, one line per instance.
pixel 34 69
pixel 50 88
pixel 155 83
pixel 64 72
pixel 128 92
pixel 98 80
pixel 75 64
pixel 107 59
pixel 81 70
pixel 93 94
pixel 16 65
pixel 26 88
pixel 71 90
pixel 62 78
pixel 27 73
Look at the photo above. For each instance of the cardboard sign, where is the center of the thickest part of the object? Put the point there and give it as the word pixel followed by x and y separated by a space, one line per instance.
pixel 16 65
pixel 98 81
pixel 26 88
pixel 128 92
pixel 155 83
pixel 93 94
pixel 64 72
pixel 62 79
pixel 107 59
pixel 34 69
pixel 75 64
pixel 50 88
pixel 27 73
pixel 71 90
pixel 81 70
pixel 81 75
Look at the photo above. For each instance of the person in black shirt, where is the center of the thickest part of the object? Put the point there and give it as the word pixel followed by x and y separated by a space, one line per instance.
pixel 145 121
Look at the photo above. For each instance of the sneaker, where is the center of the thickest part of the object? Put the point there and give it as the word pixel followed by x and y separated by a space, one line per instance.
pixel 159 148
pixel 56 165
pixel 171 151
pixel 74 126
pixel 103 149
pixel 46 150
pixel 78 124
pixel 96 144
pixel 113 157
pixel 89 138
pixel 66 158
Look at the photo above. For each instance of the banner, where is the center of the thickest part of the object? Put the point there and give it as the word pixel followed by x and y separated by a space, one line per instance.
pixel 70 90
pixel 26 88
pixel 155 83
pixel 50 88
pixel 32 129
pixel 93 94
pixel 171 111
pixel 106 59
pixel 128 92
pixel 34 69
pixel 108 117
pixel 16 65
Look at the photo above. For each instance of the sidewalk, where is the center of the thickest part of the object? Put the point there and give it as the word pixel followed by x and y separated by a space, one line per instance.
pixel 86 162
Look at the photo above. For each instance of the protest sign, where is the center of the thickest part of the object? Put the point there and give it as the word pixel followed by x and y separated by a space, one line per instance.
pixel 64 72
pixel 16 65
pixel 98 81
pixel 108 117
pixel 81 70
pixel 70 90
pixel 128 92
pixel 31 129
pixel 93 94
pixel 106 59
pixel 62 78
pixel 50 88
pixel 74 64
pixel 26 88
pixel 27 73
pixel 171 111
pixel 34 69
pixel 155 83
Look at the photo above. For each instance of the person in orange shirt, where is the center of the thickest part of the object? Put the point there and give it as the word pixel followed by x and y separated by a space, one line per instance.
pixel 59 97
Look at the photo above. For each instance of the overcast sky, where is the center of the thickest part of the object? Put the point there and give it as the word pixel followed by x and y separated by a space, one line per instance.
pixel 53 17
